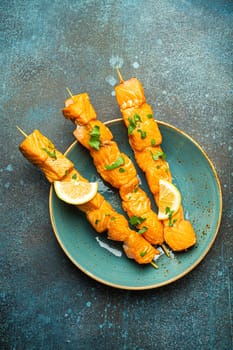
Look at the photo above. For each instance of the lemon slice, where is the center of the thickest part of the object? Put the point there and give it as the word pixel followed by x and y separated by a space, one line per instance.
pixel 169 199
pixel 75 192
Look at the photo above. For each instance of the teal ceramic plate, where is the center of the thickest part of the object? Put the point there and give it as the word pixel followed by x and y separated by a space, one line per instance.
pixel 104 260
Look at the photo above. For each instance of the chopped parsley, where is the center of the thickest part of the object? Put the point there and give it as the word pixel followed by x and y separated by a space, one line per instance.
pixel 136 220
pixel 118 162
pixel 143 133
pixel 143 252
pixel 121 170
pixel 133 123
pixel 143 230
pixel 159 154
pixel 137 118
pixel 153 142
pixel 74 177
pixel 51 154
pixel 94 141
pixel 170 213
pixel 149 116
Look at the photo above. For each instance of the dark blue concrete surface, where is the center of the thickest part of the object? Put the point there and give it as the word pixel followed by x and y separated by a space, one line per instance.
pixel 181 50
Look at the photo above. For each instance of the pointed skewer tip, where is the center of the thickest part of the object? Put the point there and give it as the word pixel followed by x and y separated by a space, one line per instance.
pixel 22 132
pixel 69 92
pixel 119 74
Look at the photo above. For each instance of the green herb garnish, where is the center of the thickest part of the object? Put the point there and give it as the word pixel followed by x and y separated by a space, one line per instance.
pixel 143 230
pixel 132 126
pixel 74 177
pixel 143 133
pixel 170 213
pixel 153 142
pixel 94 141
pixel 159 154
pixel 137 118
pixel 136 220
pixel 133 123
pixel 50 154
pixel 121 170
pixel 149 116
pixel 143 253
pixel 118 162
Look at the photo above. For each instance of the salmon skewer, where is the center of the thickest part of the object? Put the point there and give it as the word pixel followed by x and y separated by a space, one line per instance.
pixel 145 140
pixel 115 167
pixel 41 152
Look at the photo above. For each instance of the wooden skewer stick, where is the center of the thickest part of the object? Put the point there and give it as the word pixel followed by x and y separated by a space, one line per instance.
pixel 163 246
pixel 165 250
pixel 154 265
pixel 25 135
pixel 22 132
pixel 119 74
pixel 69 92
pixel 121 80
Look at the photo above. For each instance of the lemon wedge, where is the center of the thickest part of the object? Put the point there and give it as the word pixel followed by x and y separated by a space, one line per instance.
pixel 75 192
pixel 169 199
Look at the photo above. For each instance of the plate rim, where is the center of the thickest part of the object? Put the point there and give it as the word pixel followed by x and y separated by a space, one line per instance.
pixel 173 279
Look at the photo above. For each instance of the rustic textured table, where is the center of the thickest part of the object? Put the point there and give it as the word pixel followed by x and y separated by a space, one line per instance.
pixel 182 53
